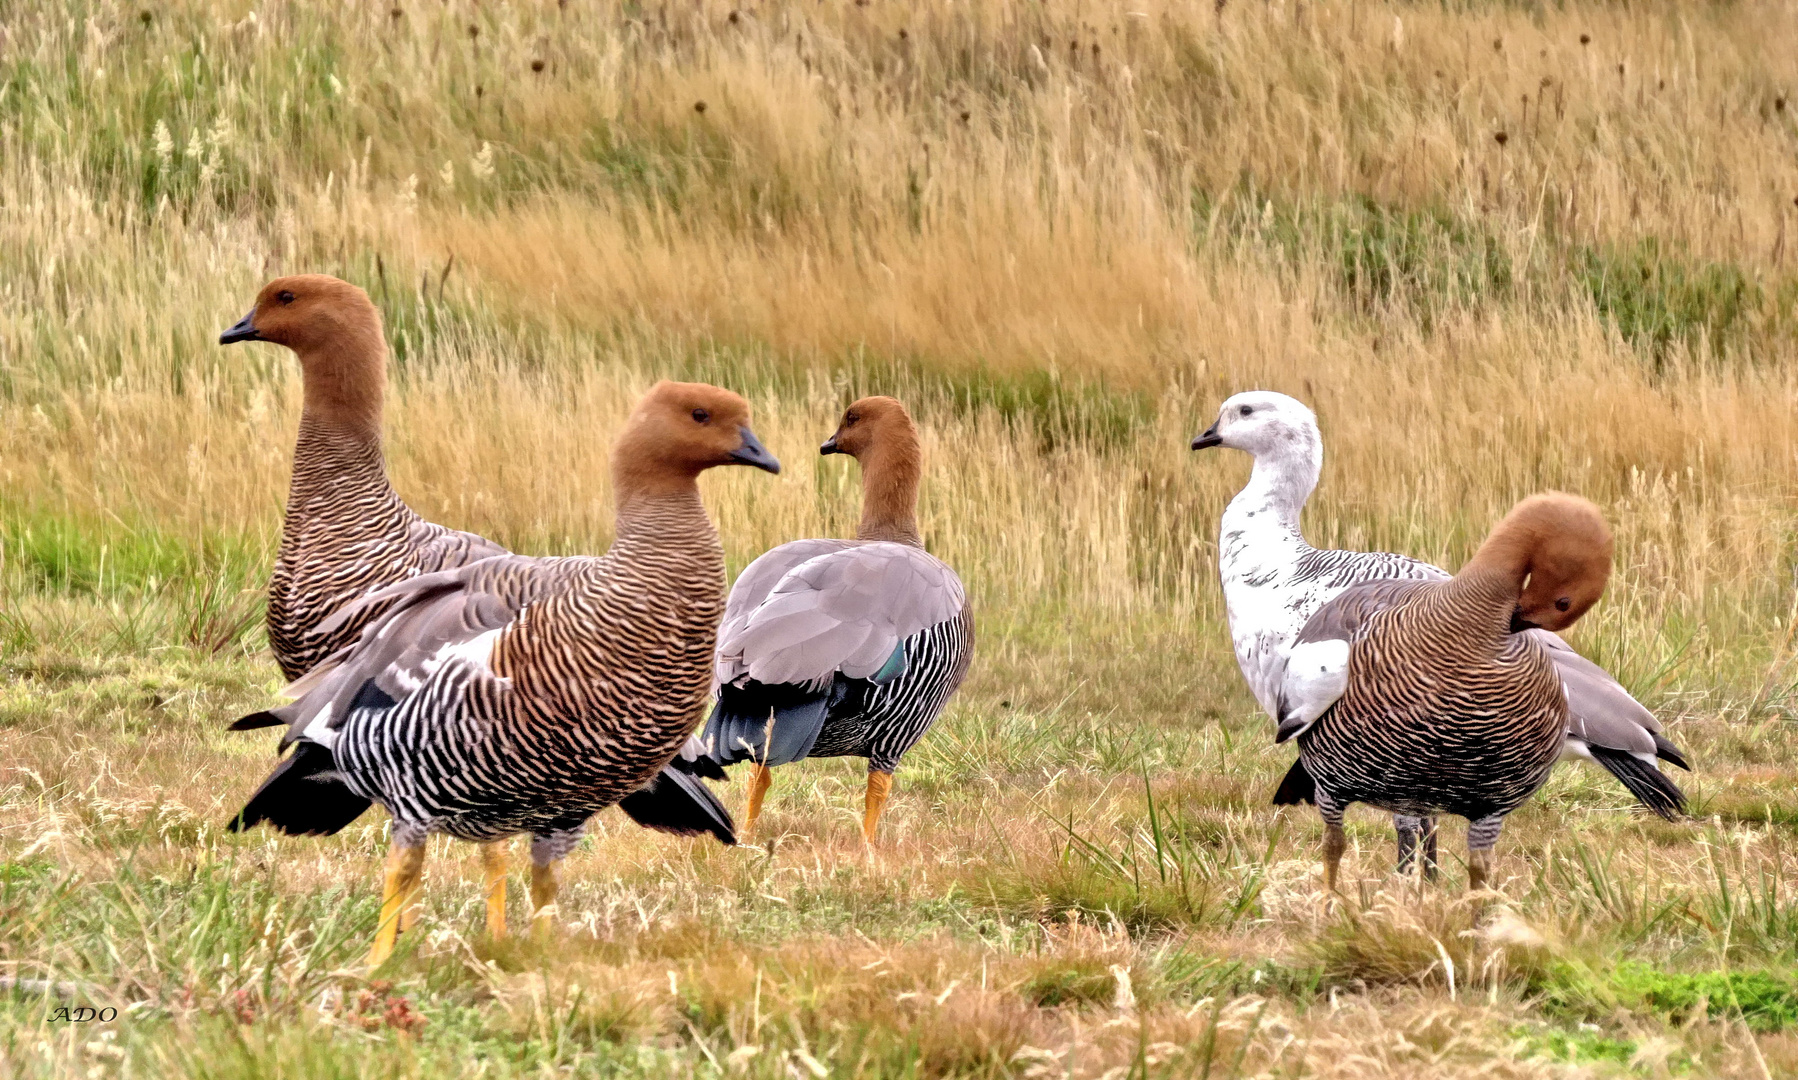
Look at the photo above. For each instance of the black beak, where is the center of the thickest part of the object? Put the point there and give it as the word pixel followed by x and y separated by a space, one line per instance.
pixel 245 330
pixel 752 452
pixel 830 446
pixel 1519 624
pixel 1208 439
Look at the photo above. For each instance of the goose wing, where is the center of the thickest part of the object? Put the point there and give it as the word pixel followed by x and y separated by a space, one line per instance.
pixel 1317 667
pixel 432 620
pixel 759 578
pixel 841 611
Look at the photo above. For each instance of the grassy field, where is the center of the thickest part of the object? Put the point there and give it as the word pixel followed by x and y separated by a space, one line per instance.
pixel 1499 247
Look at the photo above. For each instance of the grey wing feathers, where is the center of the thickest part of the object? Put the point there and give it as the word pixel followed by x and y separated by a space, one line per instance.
pixel 1600 711
pixel 431 615
pixel 1343 616
pixel 840 612
pixel 759 578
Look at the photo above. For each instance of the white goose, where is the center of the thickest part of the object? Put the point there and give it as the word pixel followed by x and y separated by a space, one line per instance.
pixel 1274 582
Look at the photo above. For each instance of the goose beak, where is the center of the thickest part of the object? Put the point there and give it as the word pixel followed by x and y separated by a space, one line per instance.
pixel 752 452
pixel 830 446
pixel 1519 624
pixel 1208 439
pixel 244 330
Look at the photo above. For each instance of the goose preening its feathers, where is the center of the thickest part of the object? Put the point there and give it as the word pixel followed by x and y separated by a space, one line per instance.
pixel 1420 698
pixel 1274 582
pixel 520 694
pixel 844 647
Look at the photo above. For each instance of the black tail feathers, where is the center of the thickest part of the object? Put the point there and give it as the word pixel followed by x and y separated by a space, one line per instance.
pixel 1648 784
pixel 679 803
pixel 1666 751
pixel 1298 786
pixel 304 796
pixel 256 720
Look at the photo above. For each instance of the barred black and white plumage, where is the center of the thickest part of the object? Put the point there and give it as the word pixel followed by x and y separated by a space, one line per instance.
pixel 1418 697
pixel 1274 581
pixel 346 532
pixel 523 695
pixel 844 647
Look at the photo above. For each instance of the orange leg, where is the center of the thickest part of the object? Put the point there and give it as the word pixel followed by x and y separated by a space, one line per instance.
pixel 399 899
pixel 493 870
pixel 760 778
pixel 880 786
pixel 543 897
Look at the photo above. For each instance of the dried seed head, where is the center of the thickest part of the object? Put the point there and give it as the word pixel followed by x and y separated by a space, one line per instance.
pixel 1501 138
pixel 733 18
pixel 536 65
pixel 965 116
pixel 1585 39
pixel 1498 44
pixel 394 14
pixel 479 90
pixel 699 106
pixel 1779 103
pixel 902 34
pixel 474 31
pixel 145 17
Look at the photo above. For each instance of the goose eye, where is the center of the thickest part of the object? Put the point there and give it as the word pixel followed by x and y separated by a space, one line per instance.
pixel 284 296
pixel 850 419
pixel 701 415
pixel 1247 409
pixel 1563 604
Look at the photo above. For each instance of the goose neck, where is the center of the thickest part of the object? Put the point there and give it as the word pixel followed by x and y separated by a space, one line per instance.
pixel 890 497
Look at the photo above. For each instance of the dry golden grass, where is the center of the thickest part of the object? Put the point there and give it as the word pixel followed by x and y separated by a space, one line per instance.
pixel 1064 233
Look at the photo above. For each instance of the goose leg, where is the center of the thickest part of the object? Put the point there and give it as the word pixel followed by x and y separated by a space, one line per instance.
pixel 399 892
pixel 761 777
pixel 493 870
pixel 547 850
pixel 880 785
pixel 1482 836
pixel 1430 863
pixel 1414 832
pixel 1335 840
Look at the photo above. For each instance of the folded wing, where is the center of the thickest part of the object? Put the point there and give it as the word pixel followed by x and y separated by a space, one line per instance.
pixel 838 612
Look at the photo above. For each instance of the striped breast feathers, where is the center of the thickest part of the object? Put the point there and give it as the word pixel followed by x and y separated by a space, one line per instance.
pixel 842 608
pixel 1317 666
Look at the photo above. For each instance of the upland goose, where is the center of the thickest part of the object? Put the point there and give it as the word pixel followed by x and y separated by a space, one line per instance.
pixel 347 533
pixel 1418 696
pixel 834 648
pixel 1274 582
pixel 521 694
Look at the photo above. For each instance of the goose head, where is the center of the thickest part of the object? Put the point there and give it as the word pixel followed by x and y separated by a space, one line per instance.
pixel 1560 548
pixel 873 423
pixel 1263 424
pixel 679 430
pixel 308 313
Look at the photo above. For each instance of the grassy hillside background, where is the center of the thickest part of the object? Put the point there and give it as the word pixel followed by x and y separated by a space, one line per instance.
pixel 1498 247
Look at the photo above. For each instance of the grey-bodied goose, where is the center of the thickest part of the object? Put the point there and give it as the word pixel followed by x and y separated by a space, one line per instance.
pixel 347 533
pixel 1274 581
pixel 521 694
pixel 1419 698
pixel 844 647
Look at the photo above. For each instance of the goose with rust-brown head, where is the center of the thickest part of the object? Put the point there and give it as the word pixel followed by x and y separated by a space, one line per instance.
pixel 346 531
pixel 1421 697
pixel 844 647
pixel 521 694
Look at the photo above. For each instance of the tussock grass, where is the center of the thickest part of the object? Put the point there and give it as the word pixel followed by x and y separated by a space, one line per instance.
pixel 1063 234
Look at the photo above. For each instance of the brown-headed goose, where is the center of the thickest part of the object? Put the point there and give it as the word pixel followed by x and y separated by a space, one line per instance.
pixel 1419 698
pixel 521 694
pixel 844 647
